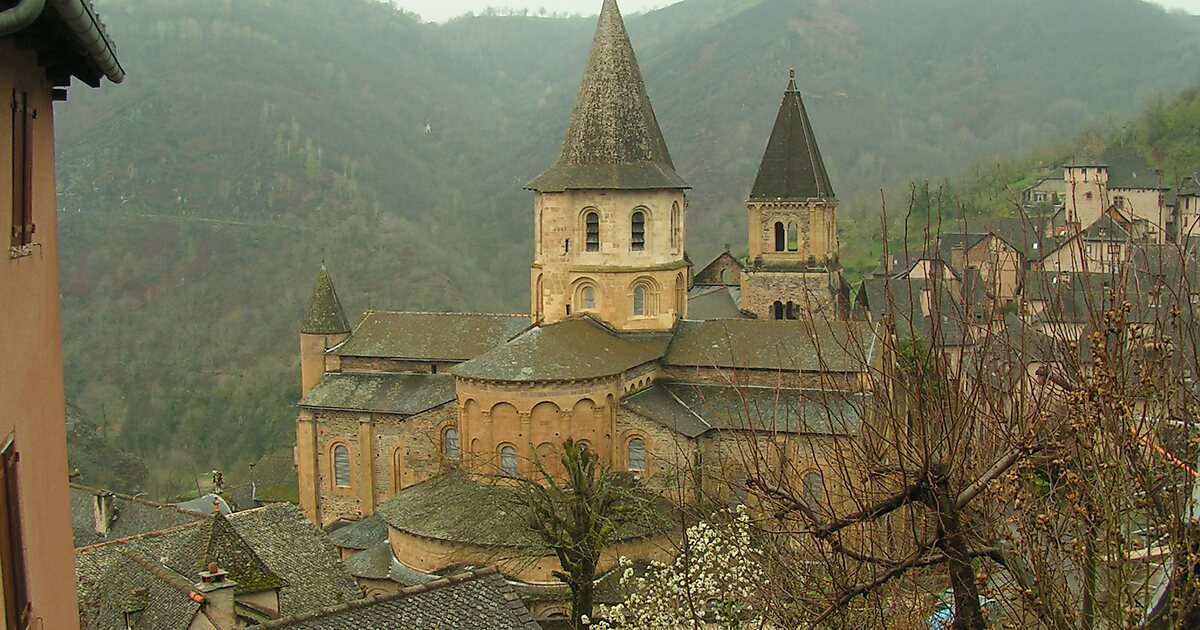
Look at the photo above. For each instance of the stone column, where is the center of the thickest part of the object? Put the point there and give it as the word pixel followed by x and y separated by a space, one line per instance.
pixel 366 466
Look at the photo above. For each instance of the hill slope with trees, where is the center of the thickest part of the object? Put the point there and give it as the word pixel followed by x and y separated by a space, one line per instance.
pixel 256 138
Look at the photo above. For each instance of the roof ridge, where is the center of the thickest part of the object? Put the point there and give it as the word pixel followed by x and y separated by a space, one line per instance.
pixel 142 536
pixel 407 591
pixel 164 573
pixel 386 312
pixel 135 499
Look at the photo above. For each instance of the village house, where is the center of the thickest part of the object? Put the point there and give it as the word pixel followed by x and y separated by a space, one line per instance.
pixel 43 45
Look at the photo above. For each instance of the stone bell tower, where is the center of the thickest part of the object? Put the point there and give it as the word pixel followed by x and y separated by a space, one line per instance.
pixel 792 270
pixel 609 215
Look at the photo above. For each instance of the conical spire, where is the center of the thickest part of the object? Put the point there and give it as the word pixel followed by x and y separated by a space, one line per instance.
pixel 792 169
pixel 613 140
pixel 324 315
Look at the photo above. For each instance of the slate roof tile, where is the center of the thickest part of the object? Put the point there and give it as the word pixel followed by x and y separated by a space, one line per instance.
pixel 402 394
pixel 361 535
pixel 324 315
pixel 430 336
pixel 132 515
pixel 613 140
pixel 695 409
pixel 758 344
pixel 477 600
pixel 792 168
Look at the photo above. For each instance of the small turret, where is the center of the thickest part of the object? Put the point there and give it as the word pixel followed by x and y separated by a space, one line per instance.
pixel 324 327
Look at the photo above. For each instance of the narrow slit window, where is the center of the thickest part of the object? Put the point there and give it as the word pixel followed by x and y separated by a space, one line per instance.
pixel 639 301
pixel 780 237
pixel 793 237
pixel 676 226
pixel 341 466
pixel 592 231
pixel 638 231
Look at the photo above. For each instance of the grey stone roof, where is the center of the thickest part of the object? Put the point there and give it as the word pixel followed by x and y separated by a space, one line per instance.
pixel 477 600
pixel 613 140
pixel 573 349
pixel 757 344
pixel 373 563
pixel 458 507
pixel 402 394
pixel 716 303
pixel 430 336
pixel 693 410
pixel 792 168
pixel 1128 169
pixel 324 315
pixel 1084 159
pixel 361 535
pixel 131 516
pixel 263 548
pixel 273 477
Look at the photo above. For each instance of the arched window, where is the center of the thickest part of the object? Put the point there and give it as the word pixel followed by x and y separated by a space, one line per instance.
pixel 777 310
pixel 591 222
pixel 793 237
pixel 676 226
pixel 508 461
pixel 341 466
pixel 588 297
pixel 780 237
pixel 814 489
pixel 637 455
pixel 639 302
pixel 680 295
pixel 450 446
pixel 584 445
pixel 637 231
pixel 792 311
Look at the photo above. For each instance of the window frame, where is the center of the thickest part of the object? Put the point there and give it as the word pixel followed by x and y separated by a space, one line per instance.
pixel 638 230
pixel 12 554
pixel 508 452
pixel 591 231
pixel 23 114
pixel 446 442
pixel 335 475
pixel 629 454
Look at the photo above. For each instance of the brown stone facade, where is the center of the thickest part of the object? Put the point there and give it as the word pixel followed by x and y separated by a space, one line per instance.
pixel 810 293
pixel 814 237
pixel 590 256
pixel 387 453
pixel 535 419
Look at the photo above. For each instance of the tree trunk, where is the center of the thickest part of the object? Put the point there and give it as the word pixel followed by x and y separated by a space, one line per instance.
pixel 582 594
pixel 967 613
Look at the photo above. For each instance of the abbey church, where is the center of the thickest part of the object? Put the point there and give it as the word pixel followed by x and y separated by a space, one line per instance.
pixel 407 419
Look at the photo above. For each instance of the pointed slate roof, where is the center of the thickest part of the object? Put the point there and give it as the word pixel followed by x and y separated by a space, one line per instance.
pixel 792 169
pixel 324 315
pixel 613 140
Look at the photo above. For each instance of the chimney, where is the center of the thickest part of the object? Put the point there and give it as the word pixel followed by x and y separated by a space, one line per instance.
pixel 217 591
pixel 103 512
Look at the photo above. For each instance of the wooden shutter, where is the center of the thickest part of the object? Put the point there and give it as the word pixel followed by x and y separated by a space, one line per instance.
pixel 12 557
pixel 22 169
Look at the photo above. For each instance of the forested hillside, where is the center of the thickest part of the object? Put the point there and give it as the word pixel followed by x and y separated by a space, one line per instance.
pixel 256 138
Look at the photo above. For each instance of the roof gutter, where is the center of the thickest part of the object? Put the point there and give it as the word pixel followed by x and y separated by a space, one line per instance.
pixel 86 28
pixel 20 16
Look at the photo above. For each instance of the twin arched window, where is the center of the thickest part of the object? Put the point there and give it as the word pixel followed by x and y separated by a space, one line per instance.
pixel 341 466
pixel 637 231
pixel 591 228
pixel 450 444
pixel 508 461
pixel 636 455
pixel 780 237
pixel 787 238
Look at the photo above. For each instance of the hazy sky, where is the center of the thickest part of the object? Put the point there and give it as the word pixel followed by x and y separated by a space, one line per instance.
pixel 441 10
